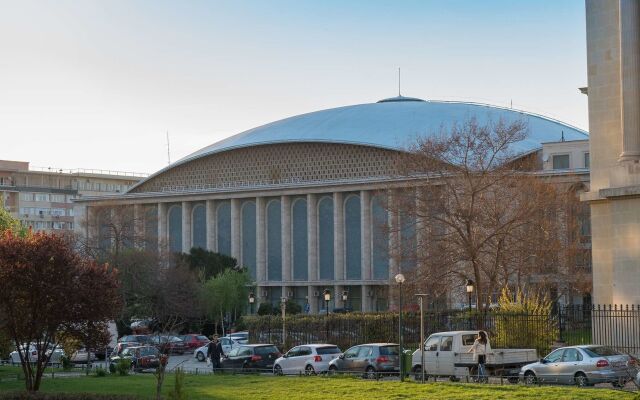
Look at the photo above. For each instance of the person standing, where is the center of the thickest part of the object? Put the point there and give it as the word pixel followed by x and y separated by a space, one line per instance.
pixel 214 352
pixel 480 349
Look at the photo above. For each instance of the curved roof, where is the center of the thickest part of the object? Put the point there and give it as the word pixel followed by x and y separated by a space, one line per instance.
pixel 392 123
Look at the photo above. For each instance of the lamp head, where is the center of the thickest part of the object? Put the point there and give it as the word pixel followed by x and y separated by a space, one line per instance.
pixel 470 286
pixel 327 295
pixel 400 279
pixel 345 295
pixel 252 298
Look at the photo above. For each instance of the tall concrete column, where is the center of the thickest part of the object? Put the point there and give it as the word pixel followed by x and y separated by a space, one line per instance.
pixel 236 246
pixel 338 237
pixel 366 300
pixel 261 254
pixel 162 227
pixel 138 226
pixel 312 239
pixel 365 234
pixel 630 79
pixel 337 296
pixel 212 243
pixel 186 226
pixel 285 214
pixel 313 299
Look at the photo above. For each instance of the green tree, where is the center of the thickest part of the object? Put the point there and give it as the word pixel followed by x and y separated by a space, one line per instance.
pixel 208 263
pixel 8 222
pixel 225 293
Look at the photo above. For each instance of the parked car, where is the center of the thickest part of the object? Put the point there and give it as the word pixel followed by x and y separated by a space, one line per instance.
pixel 447 354
pixel 227 345
pixel 251 357
pixel 82 356
pixel 121 346
pixel 583 365
pixel 310 359
pixel 240 337
pixel 168 344
pixel 372 359
pixel 194 340
pixel 140 357
pixel 141 339
pixel 54 351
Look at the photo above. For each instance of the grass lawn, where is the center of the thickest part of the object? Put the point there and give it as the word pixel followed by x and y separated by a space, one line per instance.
pixel 232 387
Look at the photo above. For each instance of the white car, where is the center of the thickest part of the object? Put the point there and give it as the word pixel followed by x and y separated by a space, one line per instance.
pixel 240 337
pixel 56 357
pixel 227 344
pixel 82 356
pixel 309 359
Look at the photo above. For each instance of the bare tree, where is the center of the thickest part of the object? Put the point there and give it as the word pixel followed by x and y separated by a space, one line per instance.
pixel 480 212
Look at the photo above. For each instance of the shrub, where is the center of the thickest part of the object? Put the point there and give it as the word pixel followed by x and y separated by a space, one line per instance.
pixel 123 366
pixel 101 372
pixel 178 388
pixel 112 368
pixel 66 363
pixel 63 396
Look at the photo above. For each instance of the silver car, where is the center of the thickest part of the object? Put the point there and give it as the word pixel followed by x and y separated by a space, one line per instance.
pixel 309 359
pixel 581 365
pixel 227 345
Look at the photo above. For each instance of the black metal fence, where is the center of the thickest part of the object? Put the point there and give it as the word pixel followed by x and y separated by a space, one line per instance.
pixel 614 326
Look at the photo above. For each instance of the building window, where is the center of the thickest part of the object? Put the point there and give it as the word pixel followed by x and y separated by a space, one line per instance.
pixel 199 226
pixel 353 241
pixel 57 198
pixel 42 197
pixel 587 160
pixel 248 240
pixel 223 222
pixel 325 238
pixel 175 228
pixel 300 240
pixel 26 196
pixel 274 240
pixel 379 239
pixel 561 161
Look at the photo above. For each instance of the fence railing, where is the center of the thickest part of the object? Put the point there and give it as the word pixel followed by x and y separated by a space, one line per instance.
pixel 614 326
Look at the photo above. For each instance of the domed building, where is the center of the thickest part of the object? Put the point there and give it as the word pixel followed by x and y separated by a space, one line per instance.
pixel 297 201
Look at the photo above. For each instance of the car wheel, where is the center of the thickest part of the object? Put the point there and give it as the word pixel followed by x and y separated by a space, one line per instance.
pixel 333 370
pixel 530 378
pixel 200 356
pixel 454 378
pixel 370 373
pixel 513 379
pixel 277 370
pixel 581 379
pixel 308 370
pixel 417 373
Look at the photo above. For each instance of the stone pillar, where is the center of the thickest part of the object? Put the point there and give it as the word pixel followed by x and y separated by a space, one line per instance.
pixel 186 226
pixel 138 226
pixel 285 215
pixel 366 300
pixel 261 254
pixel 236 246
pixel 312 299
pixel 337 296
pixel 338 237
pixel 162 227
pixel 212 243
pixel 312 240
pixel 365 235
pixel 630 79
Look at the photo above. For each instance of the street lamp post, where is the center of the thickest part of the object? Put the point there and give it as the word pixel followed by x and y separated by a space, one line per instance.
pixel 345 297
pixel 327 298
pixel 252 299
pixel 420 298
pixel 470 288
pixel 400 280
pixel 283 308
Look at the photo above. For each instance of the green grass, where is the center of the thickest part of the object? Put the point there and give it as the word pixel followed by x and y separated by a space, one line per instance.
pixel 237 387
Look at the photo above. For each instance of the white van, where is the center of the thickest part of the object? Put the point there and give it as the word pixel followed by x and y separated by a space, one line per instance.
pixel 446 354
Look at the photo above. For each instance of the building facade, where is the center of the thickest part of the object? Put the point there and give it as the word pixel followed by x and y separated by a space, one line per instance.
pixel 42 198
pixel 300 202
pixel 613 55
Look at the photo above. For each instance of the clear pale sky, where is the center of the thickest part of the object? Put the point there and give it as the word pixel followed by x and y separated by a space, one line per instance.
pixel 97 84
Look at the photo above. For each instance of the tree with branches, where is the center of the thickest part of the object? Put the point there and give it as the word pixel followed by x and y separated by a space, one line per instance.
pixel 480 212
pixel 50 294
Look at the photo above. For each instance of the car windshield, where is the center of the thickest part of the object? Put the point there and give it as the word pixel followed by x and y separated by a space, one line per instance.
pixel 201 337
pixel 148 351
pixel 175 339
pixel 389 350
pixel 263 350
pixel 328 350
pixel 601 351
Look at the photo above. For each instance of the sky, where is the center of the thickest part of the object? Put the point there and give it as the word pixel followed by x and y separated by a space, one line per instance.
pixel 98 84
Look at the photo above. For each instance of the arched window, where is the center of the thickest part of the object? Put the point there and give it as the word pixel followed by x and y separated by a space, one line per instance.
pixel 249 237
pixel 352 238
pixel 274 241
pixel 223 222
pixel 151 228
pixel 299 238
pixel 325 238
pixel 379 239
pixel 199 226
pixel 175 228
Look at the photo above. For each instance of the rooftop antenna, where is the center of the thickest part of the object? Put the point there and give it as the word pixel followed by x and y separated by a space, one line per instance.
pixel 168 149
pixel 562 137
pixel 512 103
pixel 399 95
